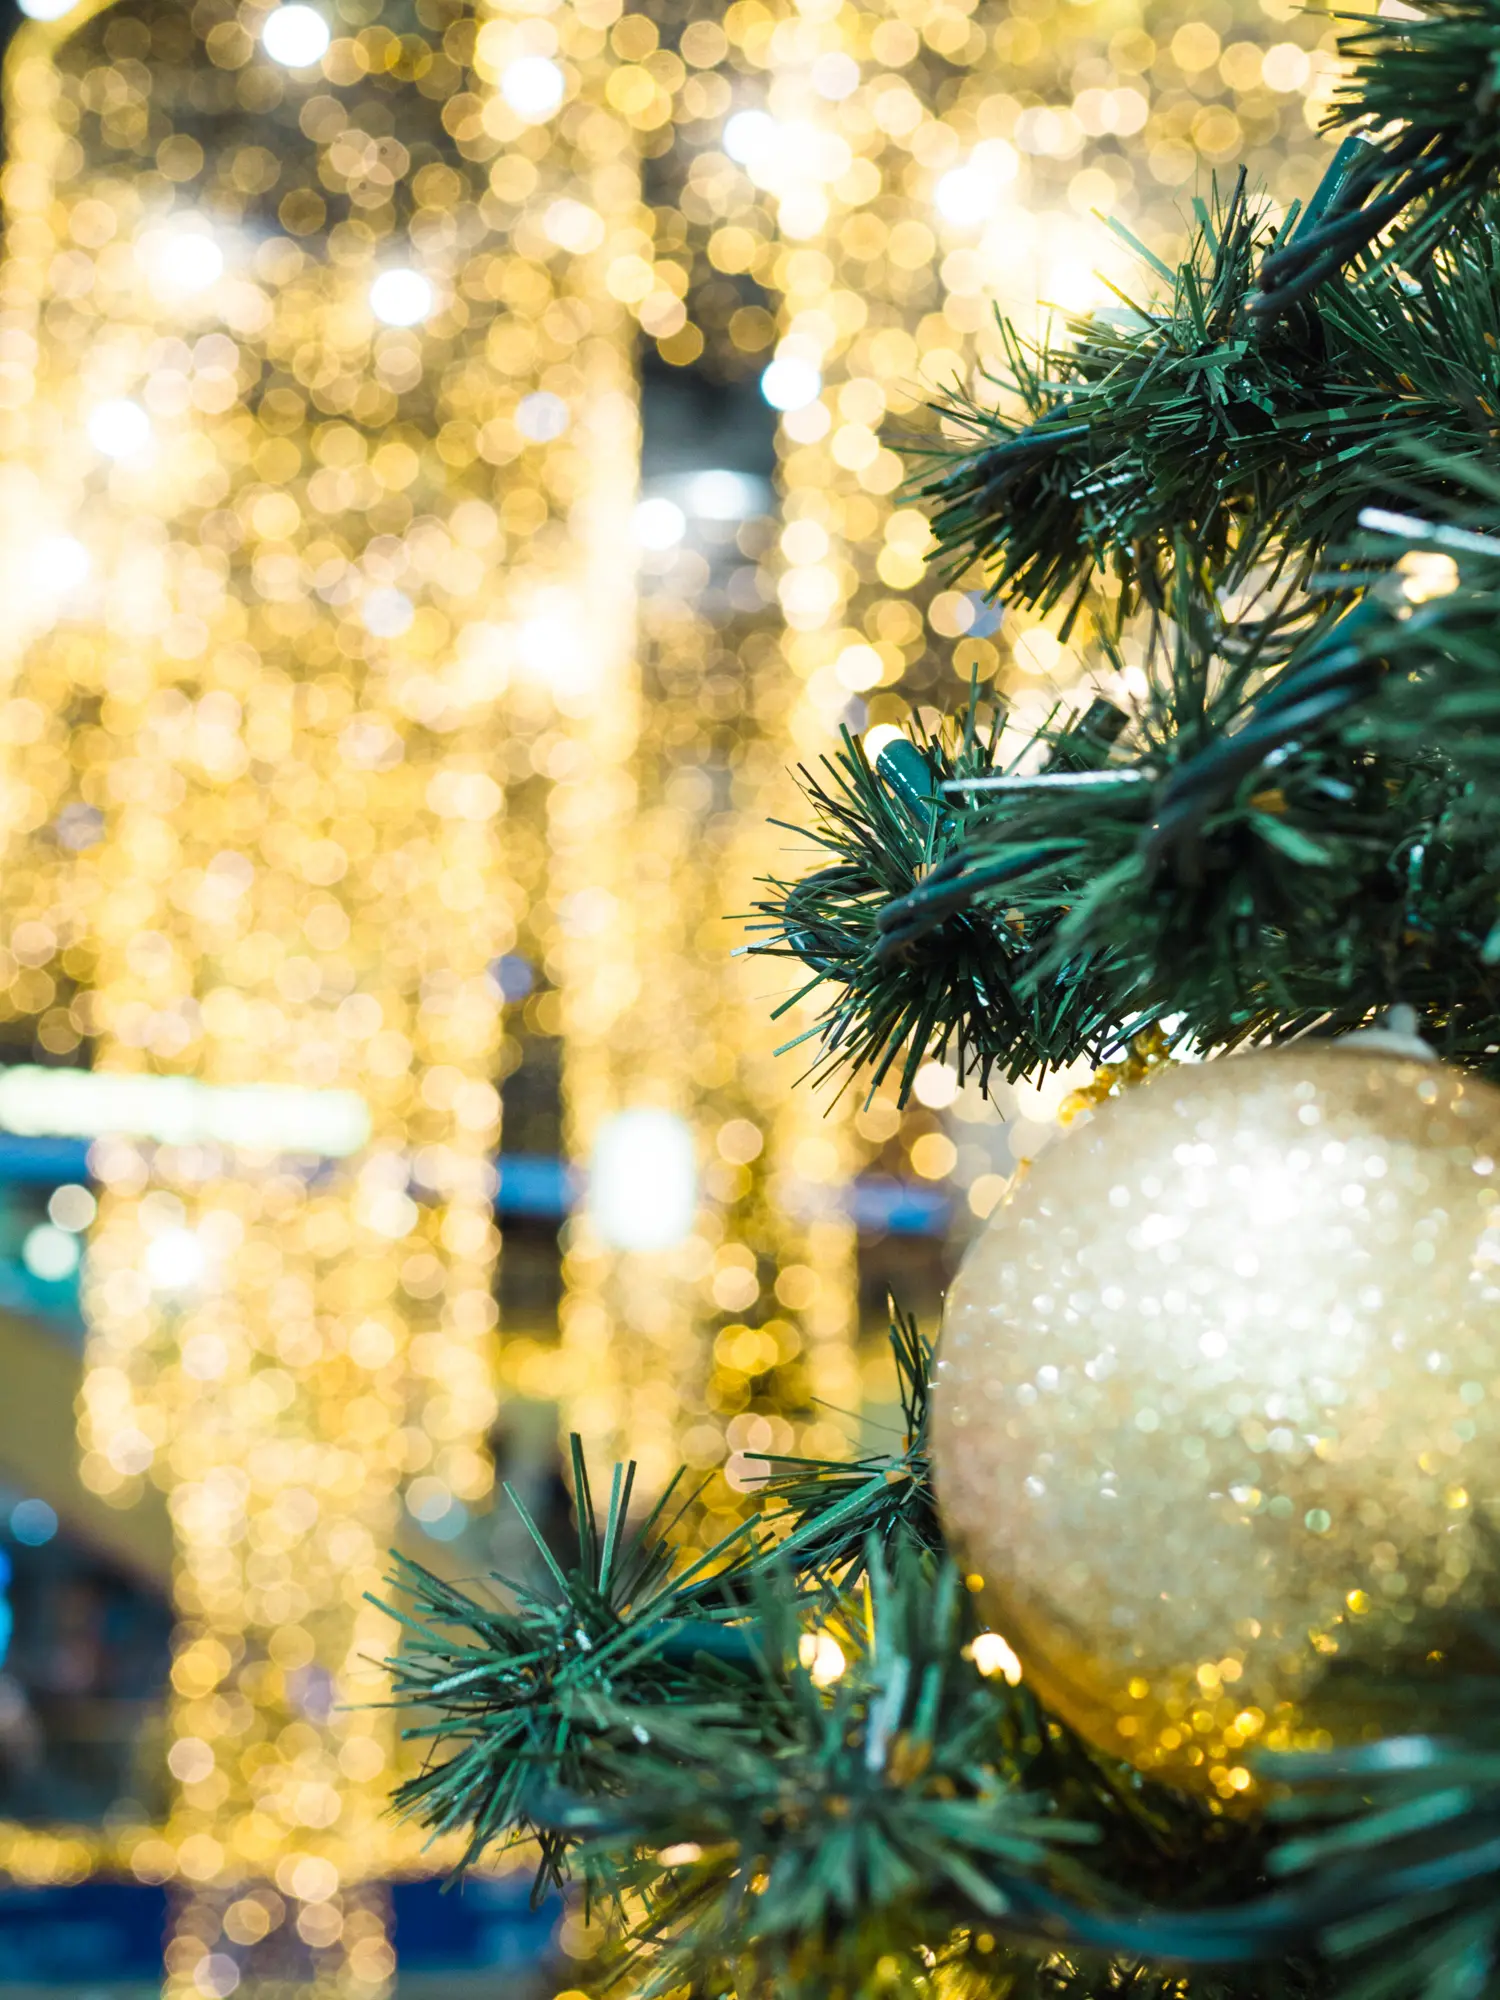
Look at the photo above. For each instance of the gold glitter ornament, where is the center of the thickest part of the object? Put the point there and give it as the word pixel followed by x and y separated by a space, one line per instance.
pixel 1218 1393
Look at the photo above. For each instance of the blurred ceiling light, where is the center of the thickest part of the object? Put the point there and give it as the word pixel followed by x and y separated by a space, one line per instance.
pixel 748 135
pixel 45 10
pixel 59 564
pixel 643 1181
pixel 118 428
pixel 401 298
pixel 790 383
pixel 659 524
pixel 533 87
pixel 720 495
pixel 295 36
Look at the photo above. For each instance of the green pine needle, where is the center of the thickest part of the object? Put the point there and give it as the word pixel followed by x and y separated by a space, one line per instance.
pixel 1190 418
pixel 1296 830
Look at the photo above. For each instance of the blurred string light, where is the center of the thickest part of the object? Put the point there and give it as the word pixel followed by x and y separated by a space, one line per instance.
pixel 533 86
pixel 118 427
pixel 295 35
pixel 643 1181
pixel 181 261
pixel 635 944
pixel 401 298
pixel 791 383
pixel 959 161
pixel 336 539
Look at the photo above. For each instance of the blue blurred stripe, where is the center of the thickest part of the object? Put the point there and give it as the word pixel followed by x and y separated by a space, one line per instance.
pixel 43 1162
pixel 534 1187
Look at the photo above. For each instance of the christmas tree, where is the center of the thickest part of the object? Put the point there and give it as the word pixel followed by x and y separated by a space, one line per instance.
pixel 917 1731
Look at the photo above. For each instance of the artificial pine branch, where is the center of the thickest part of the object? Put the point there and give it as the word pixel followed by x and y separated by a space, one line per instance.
pixel 1289 835
pixel 1421 97
pixel 839 1511
pixel 950 978
pixel 1153 423
pixel 822 1826
pixel 765 1832
pixel 515 1694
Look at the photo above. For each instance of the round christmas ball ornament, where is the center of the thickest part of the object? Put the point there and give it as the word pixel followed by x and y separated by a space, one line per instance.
pixel 1218 1394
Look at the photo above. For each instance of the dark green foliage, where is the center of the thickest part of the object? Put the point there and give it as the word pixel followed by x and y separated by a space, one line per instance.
pixel 1193 418
pixel 1293 832
pixel 1399 1840
pixel 865 1814
pixel 1444 691
pixel 1422 97
pixel 885 1499
pixel 511 1690
pixel 895 861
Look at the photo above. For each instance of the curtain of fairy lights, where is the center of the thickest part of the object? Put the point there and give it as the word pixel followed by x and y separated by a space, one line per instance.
pixel 706 1298
pixel 323 410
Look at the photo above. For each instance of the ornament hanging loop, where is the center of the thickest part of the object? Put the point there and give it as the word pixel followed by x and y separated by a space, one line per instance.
pixel 1396 1032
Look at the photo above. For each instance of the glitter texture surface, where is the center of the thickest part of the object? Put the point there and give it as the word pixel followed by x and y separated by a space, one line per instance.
pixel 1218 1392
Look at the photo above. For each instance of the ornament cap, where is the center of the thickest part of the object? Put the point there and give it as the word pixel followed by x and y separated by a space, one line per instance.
pixel 1395 1033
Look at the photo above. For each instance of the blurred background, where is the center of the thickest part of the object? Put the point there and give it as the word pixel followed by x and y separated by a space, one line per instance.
pixel 449 477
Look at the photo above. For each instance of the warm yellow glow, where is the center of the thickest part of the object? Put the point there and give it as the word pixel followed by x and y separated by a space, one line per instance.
pixel 310 461
pixel 823 1657
pixel 994 1655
